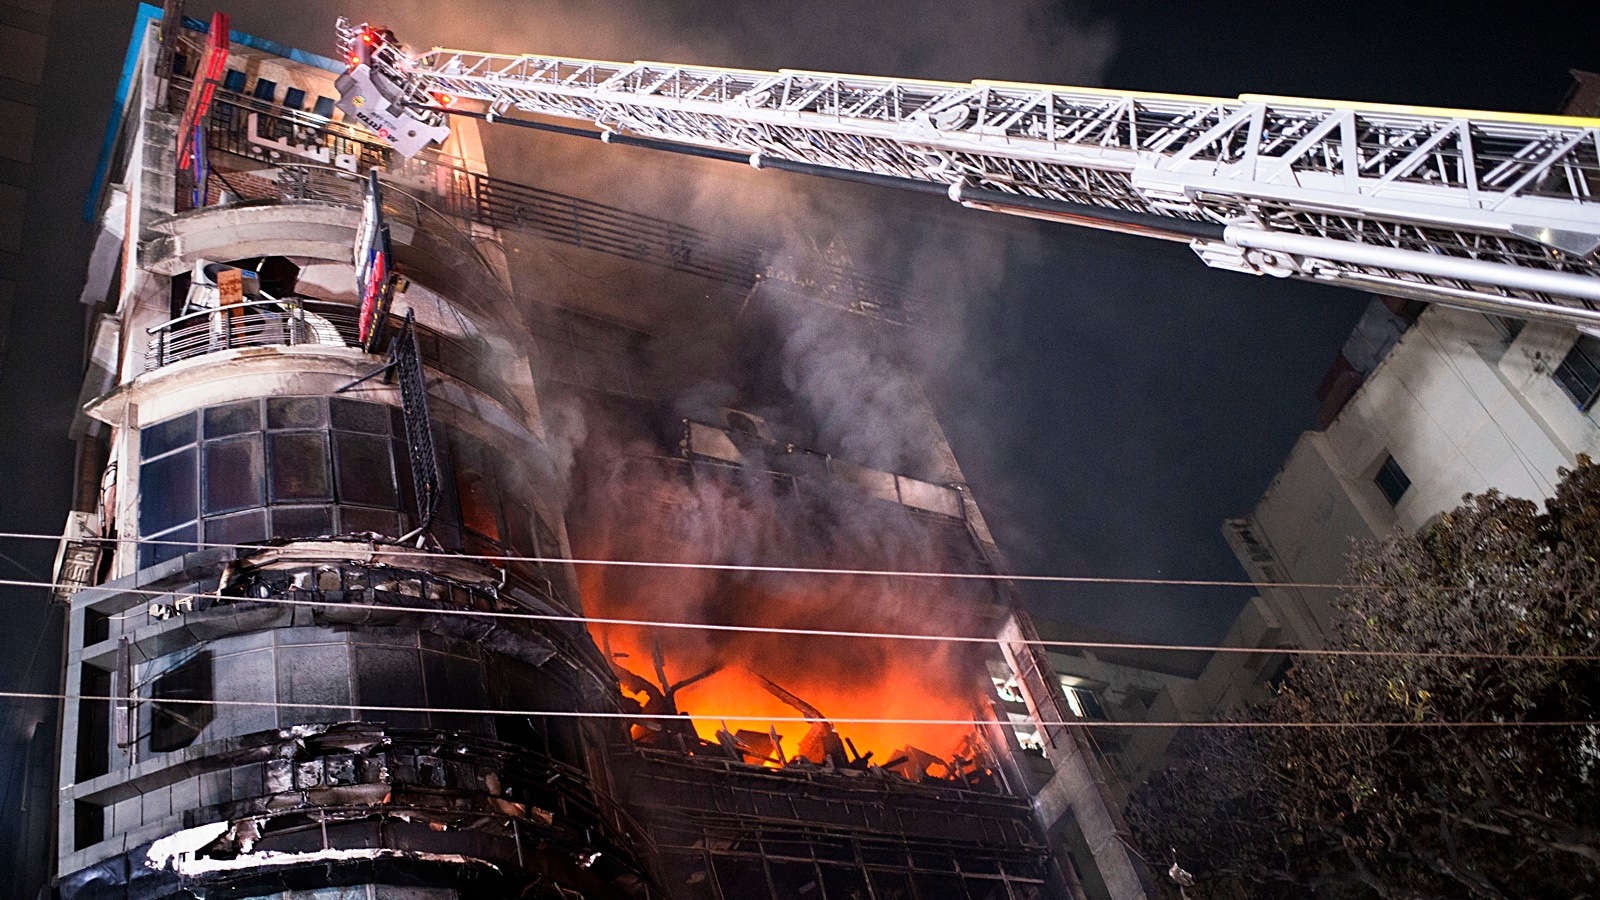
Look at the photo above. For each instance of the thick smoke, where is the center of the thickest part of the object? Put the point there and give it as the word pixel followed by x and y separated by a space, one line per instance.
pixel 829 381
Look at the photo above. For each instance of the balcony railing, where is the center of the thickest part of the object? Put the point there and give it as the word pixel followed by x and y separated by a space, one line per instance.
pixel 299 322
pixel 261 323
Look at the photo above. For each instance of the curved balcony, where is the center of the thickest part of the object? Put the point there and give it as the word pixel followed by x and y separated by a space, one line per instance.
pixel 302 322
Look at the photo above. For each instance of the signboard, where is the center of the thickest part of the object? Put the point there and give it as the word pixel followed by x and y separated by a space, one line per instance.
pixel 207 78
pixel 78 556
pixel 375 278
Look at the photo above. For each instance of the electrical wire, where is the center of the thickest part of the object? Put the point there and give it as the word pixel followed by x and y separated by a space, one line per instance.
pixel 742 716
pixel 830 633
pixel 396 551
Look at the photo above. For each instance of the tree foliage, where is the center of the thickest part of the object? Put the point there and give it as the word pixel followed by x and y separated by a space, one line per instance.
pixel 1438 811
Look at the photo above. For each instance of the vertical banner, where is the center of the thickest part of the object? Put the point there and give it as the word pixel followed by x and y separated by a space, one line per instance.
pixel 375 278
pixel 207 78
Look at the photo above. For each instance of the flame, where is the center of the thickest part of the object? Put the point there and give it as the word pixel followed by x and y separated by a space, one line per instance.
pixel 843 678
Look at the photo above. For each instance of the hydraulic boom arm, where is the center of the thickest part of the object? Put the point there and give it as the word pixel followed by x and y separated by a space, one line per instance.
pixel 1490 211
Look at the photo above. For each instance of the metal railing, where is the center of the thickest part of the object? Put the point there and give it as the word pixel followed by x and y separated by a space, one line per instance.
pixel 297 322
pixel 280 137
pixel 259 323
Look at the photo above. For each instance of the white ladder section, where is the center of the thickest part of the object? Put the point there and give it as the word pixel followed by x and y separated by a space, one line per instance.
pixel 1482 210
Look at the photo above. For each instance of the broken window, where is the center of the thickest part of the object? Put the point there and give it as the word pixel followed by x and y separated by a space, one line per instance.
pixel 175 724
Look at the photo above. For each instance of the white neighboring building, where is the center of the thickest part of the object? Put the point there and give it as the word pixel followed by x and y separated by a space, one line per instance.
pixel 1461 404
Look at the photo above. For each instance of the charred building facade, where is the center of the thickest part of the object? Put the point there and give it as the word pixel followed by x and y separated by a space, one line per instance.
pixel 351 463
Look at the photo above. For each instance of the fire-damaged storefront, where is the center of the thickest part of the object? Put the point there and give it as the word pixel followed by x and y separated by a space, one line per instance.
pixel 447 536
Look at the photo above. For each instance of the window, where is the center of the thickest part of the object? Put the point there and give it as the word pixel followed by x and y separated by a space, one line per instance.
pixel 174 725
pixel 243 472
pixel 1579 373
pixel 265 90
pixel 233 81
pixel 1392 480
pixel 294 98
pixel 324 107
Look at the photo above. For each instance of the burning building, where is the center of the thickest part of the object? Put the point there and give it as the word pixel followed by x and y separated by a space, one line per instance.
pixel 354 608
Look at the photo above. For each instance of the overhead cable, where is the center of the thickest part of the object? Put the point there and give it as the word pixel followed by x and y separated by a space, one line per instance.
pixel 827 632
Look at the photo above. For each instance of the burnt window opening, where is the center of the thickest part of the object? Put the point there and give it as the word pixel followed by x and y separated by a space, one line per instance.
pixel 173 723
pixel 1579 372
pixel 1392 480
pixel 94 724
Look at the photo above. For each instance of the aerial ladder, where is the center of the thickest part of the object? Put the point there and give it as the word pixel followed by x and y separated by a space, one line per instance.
pixel 1495 212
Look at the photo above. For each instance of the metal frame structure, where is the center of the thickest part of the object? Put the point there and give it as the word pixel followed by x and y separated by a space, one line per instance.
pixel 1483 210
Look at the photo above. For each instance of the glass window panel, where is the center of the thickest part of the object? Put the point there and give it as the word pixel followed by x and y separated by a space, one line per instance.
pixel 365 470
pixel 300 467
pixel 169 435
pixel 234 418
pixel 176 725
pixel 390 676
pixel 324 107
pixel 233 81
pixel 519 524
pixel 316 674
pixel 453 681
pixel 168 492
pixel 239 528
pixel 302 521
pixel 265 90
pixel 402 471
pixel 294 98
pixel 296 412
pixel 378 521
pixel 233 474
pixel 353 415
pixel 173 544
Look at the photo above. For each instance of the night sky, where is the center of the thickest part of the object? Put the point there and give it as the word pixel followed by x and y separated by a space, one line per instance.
pixel 1111 399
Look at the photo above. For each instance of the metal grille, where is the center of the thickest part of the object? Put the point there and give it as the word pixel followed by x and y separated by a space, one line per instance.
pixel 406 358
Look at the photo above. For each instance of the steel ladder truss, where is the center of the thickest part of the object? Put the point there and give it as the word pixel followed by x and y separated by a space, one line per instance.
pixel 1488 211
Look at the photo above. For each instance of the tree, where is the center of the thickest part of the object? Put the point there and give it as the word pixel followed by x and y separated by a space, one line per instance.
pixel 1444 811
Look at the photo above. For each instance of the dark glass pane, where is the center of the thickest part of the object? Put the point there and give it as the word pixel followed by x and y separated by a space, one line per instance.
pixel 353 415
pixel 168 435
pixel 1579 372
pixel 167 492
pixel 233 81
pixel 364 469
pixel 265 90
pixel 300 467
pixel 171 545
pixel 294 98
pixel 1392 480
pixel 302 521
pixel 378 521
pixel 519 525
pixel 296 412
pixel 324 107
pixel 175 725
pixel 233 474
pixel 390 676
pixel 402 471
pixel 234 418
pixel 455 682
pixel 239 528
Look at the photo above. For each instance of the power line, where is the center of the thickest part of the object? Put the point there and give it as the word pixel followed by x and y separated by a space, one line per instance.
pixel 750 716
pixel 837 633
pixel 406 552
